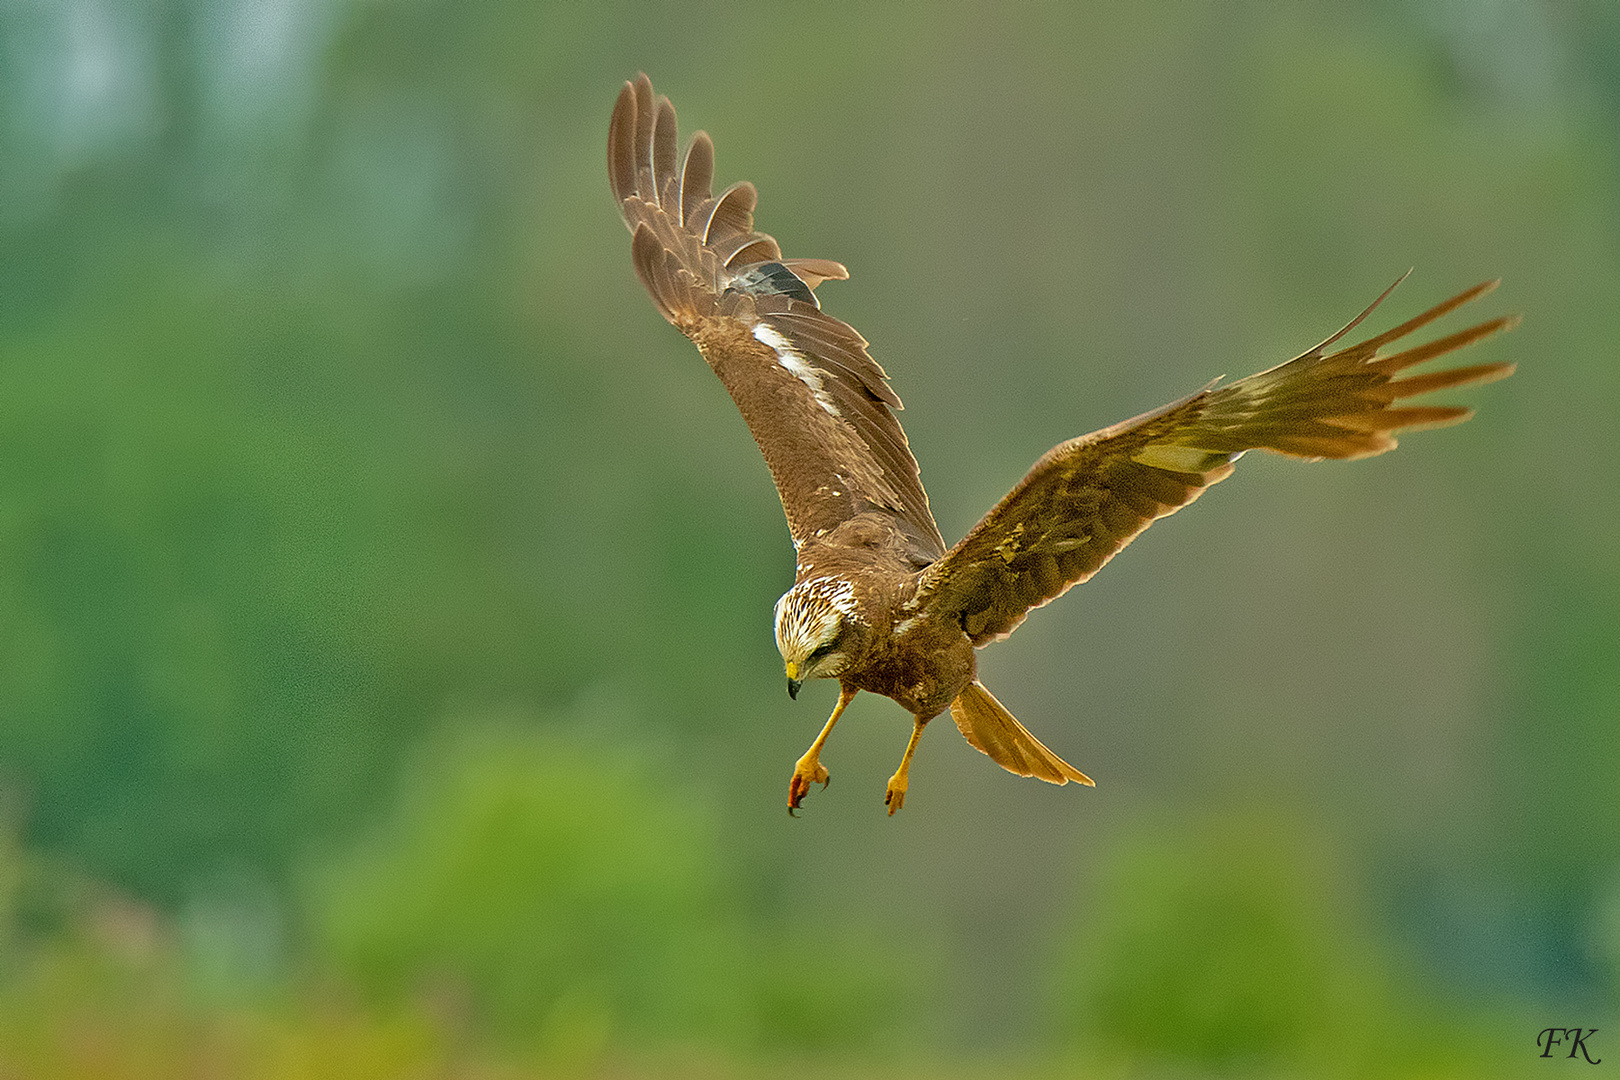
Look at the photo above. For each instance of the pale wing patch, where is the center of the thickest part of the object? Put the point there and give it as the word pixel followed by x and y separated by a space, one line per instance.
pixel 1183 459
pixel 798 366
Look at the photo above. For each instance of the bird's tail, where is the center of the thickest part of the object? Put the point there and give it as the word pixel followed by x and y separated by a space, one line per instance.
pixel 992 730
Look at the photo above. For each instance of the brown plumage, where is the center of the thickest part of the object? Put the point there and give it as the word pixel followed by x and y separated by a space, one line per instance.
pixel 878 601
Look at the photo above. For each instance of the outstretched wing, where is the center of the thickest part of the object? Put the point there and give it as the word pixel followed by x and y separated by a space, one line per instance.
pixel 816 402
pixel 1086 499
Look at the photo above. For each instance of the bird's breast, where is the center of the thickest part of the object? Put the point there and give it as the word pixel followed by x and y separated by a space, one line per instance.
pixel 923 666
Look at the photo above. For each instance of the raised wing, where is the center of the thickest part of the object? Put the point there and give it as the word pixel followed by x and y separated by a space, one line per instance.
pixel 1086 499
pixel 816 402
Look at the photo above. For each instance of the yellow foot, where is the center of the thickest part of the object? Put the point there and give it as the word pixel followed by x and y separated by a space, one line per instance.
pixel 895 797
pixel 809 770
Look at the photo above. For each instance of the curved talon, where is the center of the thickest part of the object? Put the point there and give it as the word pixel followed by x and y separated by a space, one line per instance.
pixel 808 771
pixel 894 798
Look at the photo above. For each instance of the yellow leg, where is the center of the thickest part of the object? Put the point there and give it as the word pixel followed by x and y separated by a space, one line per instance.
pixel 809 769
pixel 895 798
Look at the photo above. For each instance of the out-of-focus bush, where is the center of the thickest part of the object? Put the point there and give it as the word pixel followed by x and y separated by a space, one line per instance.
pixel 1239 944
pixel 532 908
pixel 565 895
pixel 548 887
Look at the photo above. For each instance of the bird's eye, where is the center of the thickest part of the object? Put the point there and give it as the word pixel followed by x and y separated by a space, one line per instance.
pixel 820 652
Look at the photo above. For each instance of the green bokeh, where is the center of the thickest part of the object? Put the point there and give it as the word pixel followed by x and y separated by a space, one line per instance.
pixel 333 423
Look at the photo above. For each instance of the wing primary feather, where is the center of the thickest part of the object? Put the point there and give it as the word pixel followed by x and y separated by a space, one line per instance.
pixel 1477 374
pixel 697 174
pixel 647 254
pixel 733 213
pixel 644 135
pixel 757 250
pixel 1441 309
pixel 1412 357
pixel 663 154
pixel 1414 416
pixel 622 144
pixel 743 248
pixel 814 271
pixel 1355 322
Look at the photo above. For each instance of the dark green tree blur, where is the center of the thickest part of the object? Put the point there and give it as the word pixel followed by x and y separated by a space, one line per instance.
pixel 386 681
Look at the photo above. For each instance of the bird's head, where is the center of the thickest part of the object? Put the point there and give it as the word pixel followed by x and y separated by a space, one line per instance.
pixel 818 630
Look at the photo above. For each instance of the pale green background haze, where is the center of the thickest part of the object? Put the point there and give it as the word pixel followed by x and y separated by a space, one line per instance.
pixel 386 676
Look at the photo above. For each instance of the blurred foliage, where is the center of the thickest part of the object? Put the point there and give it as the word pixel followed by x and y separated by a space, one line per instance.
pixel 567 894
pixel 333 424
pixel 528 910
pixel 94 983
pixel 537 876
pixel 1238 942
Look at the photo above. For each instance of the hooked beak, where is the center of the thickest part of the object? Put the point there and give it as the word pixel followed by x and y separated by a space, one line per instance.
pixel 794 682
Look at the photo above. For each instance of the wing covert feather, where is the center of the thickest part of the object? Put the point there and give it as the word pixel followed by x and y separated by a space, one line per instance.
pixel 1087 498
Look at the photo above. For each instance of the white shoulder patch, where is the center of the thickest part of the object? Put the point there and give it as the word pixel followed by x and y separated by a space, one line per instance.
pixel 836 593
pixel 798 365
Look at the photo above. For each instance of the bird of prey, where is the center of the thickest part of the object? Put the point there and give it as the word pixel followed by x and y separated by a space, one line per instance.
pixel 879 601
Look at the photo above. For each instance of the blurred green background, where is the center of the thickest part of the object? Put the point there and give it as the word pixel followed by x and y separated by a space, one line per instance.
pixel 386 677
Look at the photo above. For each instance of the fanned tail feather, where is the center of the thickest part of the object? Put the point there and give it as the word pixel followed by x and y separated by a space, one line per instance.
pixel 993 731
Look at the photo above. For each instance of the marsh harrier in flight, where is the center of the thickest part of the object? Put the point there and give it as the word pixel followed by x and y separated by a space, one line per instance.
pixel 879 601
